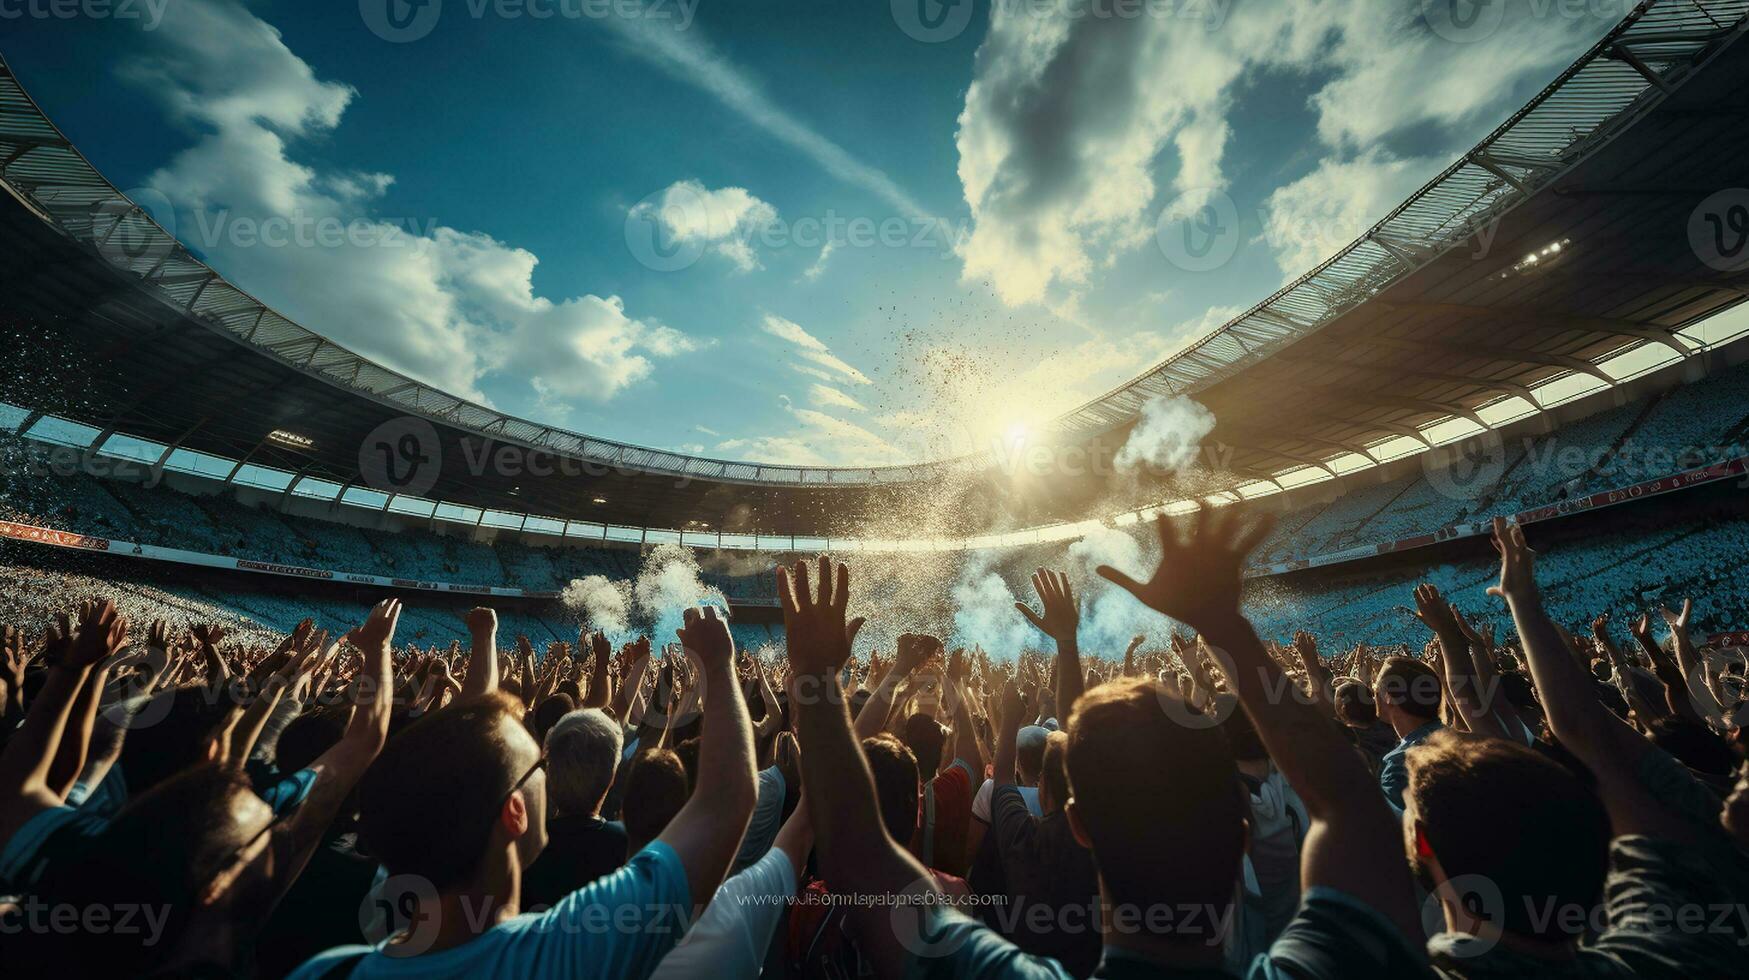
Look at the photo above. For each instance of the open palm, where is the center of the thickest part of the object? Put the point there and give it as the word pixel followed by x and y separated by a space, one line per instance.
pixel 1198 580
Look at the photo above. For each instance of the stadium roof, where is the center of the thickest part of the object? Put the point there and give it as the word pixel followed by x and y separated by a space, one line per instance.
pixel 1434 314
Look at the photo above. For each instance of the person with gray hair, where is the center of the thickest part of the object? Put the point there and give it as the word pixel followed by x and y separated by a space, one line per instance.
pixel 582 749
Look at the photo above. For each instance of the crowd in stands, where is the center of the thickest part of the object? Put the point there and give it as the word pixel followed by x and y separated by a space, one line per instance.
pixel 182 798
pixel 1642 440
pixel 1628 444
pixel 223 525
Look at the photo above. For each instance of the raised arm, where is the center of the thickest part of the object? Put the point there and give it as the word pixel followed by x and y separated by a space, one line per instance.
pixel 965 733
pixel 632 685
pixel 482 678
pixel 1318 679
pixel 1664 667
pixel 1693 667
pixel 1462 685
pixel 599 693
pixel 208 636
pixel 1618 668
pixel 1354 843
pixel 707 831
pixel 75 745
pixel 1583 725
pixel 336 771
pixel 1008 733
pixel 30 753
pixel 912 650
pixel 857 856
pixel 1060 620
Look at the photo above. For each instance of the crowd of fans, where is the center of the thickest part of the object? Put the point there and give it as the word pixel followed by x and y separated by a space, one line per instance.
pixel 1466 802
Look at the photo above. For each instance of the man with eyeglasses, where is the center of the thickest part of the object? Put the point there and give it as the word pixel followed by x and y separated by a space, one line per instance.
pixel 455 809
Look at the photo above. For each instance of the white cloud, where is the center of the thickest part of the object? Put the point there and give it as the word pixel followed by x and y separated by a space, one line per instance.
pixel 448 307
pixel 724 220
pixel 1309 220
pixel 823 364
pixel 827 396
pixel 814 271
pixel 784 450
pixel 818 439
pixel 1071 124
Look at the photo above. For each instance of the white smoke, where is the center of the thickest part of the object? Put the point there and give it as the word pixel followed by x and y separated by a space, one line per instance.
pixel 668 585
pixel 1110 616
pixel 603 603
pixel 984 613
pixel 1169 435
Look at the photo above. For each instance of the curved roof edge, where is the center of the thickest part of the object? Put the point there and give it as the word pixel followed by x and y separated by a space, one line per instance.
pixel 1620 78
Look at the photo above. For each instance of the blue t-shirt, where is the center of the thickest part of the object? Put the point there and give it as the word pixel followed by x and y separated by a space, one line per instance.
pixel 619 926
pixel 281 793
pixel 52 834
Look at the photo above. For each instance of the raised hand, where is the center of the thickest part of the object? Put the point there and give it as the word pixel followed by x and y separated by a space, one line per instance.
pixel 377 632
pixel 1678 621
pixel 1199 577
pixel 13 656
pixel 209 635
pixel 913 650
pixel 102 632
pixel 706 636
pixel 814 624
pixel 1061 617
pixel 481 621
pixel 1642 629
pixel 1435 613
pixel 1517 562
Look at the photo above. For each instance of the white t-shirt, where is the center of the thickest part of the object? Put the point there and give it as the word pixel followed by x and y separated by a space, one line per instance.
pixel 767 817
pixel 981 802
pixel 730 939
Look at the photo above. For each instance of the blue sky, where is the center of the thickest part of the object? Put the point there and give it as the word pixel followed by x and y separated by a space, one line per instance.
pixel 780 230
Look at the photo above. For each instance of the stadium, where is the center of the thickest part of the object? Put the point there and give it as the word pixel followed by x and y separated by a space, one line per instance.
pixel 1549 332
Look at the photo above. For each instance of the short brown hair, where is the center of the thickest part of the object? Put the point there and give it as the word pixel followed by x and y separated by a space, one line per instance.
pixel 1411 685
pixel 656 789
pixel 896 783
pixel 1551 844
pixel 428 804
pixel 1136 765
